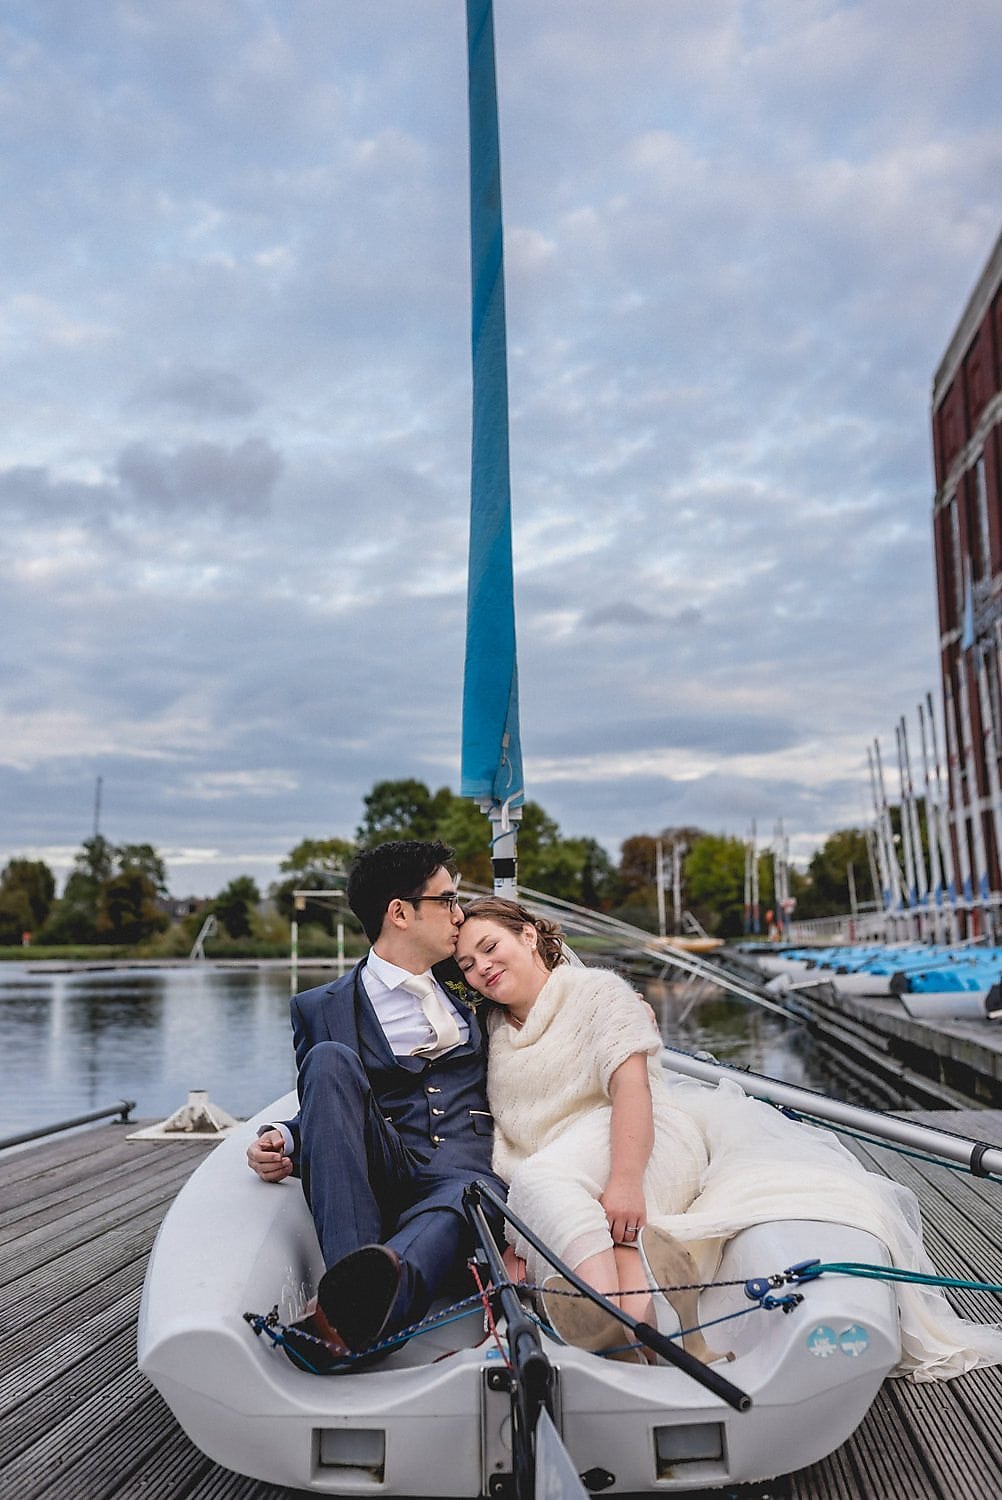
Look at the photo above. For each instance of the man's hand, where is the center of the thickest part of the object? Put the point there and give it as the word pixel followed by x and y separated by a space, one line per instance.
pixel 266 1156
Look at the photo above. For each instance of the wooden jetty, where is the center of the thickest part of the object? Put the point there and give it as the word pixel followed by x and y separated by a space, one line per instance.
pixel 78 1422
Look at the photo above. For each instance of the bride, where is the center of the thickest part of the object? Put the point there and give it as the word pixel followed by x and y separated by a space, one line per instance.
pixel 615 1163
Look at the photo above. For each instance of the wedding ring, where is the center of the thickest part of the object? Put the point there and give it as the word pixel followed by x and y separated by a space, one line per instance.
pixel 632 1228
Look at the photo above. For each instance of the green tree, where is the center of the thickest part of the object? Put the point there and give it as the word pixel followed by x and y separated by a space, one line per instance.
pixel 144 859
pixel 127 908
pixel 27 890
pixel 75 917
pixel 637 864
pixel 714 873
pixel 235 906
pixel 402 809
pixel 15 915
pixel 464 828
pixel 826 890
pixel 95 859
pixel 313 865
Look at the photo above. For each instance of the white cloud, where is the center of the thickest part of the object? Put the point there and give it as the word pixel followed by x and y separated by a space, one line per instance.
pixel 235 412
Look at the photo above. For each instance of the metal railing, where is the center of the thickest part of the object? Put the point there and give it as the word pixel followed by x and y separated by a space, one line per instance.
pixel 122 1109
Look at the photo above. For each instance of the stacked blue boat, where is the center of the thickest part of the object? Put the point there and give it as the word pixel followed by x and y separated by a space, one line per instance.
pixel 932 982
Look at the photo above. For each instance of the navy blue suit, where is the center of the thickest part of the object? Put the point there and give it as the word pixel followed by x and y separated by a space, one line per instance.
pixel 385 1145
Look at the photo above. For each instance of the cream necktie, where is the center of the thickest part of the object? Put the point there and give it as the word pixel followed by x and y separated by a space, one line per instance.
pixel 438 1015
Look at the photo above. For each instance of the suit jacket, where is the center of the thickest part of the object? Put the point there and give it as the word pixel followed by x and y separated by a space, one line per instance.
pixel 438 1106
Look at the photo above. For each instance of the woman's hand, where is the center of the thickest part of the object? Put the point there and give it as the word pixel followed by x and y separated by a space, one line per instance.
pixel 631 1140
pixel 625 1208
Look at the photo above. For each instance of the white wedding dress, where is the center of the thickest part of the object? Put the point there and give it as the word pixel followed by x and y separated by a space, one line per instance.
pixel 721 1161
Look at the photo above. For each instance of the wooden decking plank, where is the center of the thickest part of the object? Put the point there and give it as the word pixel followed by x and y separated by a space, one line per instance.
pixel 94 1438
pixel 58 1192
pixel 42 1292
pixel 43 1351
pixel 90 1177
pixel 35 1411
pixel 952 1446
pixel 980 1397
pixel 33 1157
pixel 53 1220
pixel 33 1365
pixel 39 1295
pixel 957 1216
pixel 39 1246
pixel 879 1461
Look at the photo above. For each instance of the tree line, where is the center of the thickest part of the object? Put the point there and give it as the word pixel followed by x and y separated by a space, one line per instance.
pixel 117 894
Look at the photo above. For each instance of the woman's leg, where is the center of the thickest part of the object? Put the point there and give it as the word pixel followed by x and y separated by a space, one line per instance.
pixel 618 1274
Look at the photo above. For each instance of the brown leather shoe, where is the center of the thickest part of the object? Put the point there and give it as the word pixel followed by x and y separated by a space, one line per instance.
pixel 313 1344
pixel 357 1293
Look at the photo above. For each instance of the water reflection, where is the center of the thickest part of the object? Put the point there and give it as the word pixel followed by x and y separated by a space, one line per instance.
pixel 705 1018
pixel 76 1042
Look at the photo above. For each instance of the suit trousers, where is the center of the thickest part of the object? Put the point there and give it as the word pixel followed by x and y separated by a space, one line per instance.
pixel 364 1186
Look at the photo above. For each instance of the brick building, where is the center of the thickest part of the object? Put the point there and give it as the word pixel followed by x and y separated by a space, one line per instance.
pixel 967 525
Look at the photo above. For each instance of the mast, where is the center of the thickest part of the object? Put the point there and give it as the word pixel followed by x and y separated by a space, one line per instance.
pixel 890 854
pixel 492 752
pixel 943 827
pixel 884 882
pixel 918 857
pixel 906 830
pixel 957 797
pixel 932 834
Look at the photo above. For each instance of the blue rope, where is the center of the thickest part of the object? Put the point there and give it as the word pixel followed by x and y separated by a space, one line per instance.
pixel 893 1273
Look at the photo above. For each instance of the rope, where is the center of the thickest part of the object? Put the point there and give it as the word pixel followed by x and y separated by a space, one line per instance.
pixel 489 1313
pixel 893 1273
pixel 269 1325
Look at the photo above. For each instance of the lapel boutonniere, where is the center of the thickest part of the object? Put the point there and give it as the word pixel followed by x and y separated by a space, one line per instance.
pixel 463 993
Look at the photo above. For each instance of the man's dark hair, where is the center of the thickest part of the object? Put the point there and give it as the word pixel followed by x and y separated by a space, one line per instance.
pixel 401 867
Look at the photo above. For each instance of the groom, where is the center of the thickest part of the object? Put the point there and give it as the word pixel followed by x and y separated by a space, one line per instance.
pixel 393 1120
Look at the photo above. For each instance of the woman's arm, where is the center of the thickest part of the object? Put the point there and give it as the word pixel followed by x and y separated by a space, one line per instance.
pixel 631 1142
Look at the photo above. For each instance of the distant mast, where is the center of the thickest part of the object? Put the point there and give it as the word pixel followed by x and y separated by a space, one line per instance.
pixel 97 806
pixel 492 752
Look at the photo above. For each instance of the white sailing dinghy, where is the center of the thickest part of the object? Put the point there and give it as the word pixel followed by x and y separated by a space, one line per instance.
pixel 435 1418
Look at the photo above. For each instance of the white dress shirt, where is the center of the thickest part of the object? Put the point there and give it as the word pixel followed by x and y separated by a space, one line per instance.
pixel 398 1009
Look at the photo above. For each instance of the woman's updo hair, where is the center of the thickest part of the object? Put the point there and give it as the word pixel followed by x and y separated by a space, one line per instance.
pixel 513 916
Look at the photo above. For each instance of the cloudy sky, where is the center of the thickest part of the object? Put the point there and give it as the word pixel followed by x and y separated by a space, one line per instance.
pixel 234 405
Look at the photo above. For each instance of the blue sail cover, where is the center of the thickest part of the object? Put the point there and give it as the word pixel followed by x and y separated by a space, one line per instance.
pixel 492 753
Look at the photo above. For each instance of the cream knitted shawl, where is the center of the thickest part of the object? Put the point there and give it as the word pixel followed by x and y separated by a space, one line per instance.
pixel 584 1024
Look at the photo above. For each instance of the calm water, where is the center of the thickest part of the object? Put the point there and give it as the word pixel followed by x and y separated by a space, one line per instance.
pixel 77 1042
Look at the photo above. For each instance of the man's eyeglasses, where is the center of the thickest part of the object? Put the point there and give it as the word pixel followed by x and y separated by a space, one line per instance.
pixel 448 898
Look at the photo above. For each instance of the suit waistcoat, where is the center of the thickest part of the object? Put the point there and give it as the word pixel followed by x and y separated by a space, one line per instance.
pixel 438 1105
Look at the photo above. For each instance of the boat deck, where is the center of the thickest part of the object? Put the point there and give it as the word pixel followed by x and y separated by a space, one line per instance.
pixel 78 1422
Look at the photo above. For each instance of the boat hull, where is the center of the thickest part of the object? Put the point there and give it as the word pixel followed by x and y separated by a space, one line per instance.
pixel 428 1422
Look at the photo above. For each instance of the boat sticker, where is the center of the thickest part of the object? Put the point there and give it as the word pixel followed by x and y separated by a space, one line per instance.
pixel 854 1341
pixel 821 1341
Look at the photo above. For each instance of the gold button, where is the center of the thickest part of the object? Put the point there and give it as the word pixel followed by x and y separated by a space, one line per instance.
pixel 438 1111
pixel 438 1139
pixel 432 1089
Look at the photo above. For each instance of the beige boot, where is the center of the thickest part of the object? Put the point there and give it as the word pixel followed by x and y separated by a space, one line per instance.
pixel 580 1322
pixel 668 1264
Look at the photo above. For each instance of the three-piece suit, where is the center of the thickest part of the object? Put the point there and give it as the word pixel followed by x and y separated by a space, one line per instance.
pixel 385 1145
